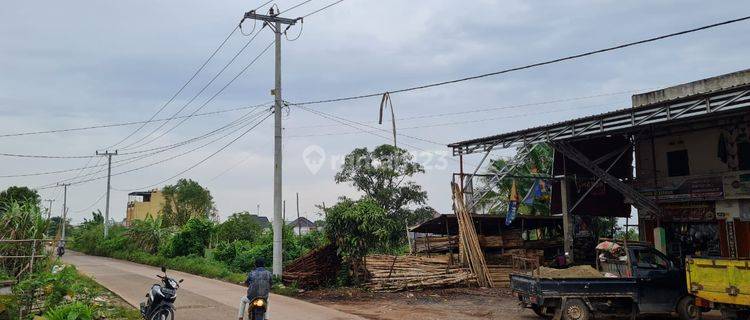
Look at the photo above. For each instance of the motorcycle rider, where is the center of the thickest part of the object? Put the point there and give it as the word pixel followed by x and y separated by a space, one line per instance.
pixel 258 284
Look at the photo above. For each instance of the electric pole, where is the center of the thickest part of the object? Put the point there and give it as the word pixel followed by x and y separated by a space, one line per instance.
pixel 299 225
pixel 49 208
pixel 65 209
pixel 274 22
pixel 109 178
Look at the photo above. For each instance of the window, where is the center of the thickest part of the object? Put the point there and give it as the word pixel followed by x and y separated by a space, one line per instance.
pixel 743 155
pixel 677 163
pixel 649 259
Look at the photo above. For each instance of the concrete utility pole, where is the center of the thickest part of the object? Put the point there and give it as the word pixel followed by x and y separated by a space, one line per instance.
pixel 274 22
pixel 109 178
pixel 299 226
pixel 65 209
pixel 49 208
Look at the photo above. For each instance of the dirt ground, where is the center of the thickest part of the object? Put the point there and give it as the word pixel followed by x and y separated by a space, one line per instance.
pixel 457 303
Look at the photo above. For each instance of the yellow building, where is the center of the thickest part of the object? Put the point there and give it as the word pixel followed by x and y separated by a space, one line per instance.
pixel 144 203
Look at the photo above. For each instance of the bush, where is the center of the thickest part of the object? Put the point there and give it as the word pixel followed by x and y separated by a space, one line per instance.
pixel 72 311
pixel 192 239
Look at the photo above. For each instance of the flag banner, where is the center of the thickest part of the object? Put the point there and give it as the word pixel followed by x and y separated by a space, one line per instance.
pixel 512 205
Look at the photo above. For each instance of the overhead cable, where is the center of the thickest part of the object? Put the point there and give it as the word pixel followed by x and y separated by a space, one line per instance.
pixel 213 54
pixel 209 99
pixel 529 66
pixel 174 115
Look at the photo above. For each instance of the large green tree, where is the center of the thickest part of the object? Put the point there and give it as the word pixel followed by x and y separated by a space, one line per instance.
pixel 18 194
pixel 382 175
pixel 239 226
pixel 186 199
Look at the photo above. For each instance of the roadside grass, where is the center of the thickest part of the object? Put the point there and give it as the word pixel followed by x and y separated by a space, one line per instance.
pixel 199 266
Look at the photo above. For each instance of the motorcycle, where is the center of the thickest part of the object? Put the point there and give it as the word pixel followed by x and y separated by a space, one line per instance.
pixel 257 310
pixel 159 303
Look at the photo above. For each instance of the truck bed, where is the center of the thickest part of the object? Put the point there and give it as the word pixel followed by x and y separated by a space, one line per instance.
pixel 718 280
pixel 541 288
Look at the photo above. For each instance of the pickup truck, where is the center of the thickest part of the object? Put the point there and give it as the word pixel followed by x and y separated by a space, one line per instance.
pixel 722 284
pixel 645 282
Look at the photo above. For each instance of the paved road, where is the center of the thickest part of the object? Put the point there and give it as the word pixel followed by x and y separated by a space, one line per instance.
pixel 198 297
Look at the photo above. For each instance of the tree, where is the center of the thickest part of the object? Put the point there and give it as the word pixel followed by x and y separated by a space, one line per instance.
pixel 18 194
pixel 192 239
pixel 185 200
pixel 382 175
pixel 537 163
pixel 359 228
pixel 239 226
pixel 147 234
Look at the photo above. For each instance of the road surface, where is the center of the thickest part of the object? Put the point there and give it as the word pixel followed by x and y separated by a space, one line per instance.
pixel 198 297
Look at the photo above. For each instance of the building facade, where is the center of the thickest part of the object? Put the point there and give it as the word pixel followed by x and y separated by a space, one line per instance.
pixel 141 204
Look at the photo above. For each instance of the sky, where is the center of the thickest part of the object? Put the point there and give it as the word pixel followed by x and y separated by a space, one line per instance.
pixel 69 64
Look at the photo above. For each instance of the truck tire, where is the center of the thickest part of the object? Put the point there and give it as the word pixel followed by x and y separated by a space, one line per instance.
pixel 687 310
pixel 576 309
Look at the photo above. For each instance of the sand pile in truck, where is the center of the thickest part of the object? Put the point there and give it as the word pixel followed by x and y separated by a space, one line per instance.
pixel 571 272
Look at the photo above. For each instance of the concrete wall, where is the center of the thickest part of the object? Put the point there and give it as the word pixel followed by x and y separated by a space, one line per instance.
pixel 693 88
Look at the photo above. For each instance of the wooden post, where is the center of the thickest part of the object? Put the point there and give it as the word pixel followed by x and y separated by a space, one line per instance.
pixel 567 227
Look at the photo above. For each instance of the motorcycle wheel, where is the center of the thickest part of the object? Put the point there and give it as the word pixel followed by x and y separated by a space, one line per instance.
pixel 163 314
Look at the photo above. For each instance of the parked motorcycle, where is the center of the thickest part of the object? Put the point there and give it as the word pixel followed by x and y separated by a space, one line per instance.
pixel 159 304
pixel 257 310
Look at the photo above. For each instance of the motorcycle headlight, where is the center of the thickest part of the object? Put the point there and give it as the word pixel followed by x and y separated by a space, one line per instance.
pixel 259 303
pixel 172 283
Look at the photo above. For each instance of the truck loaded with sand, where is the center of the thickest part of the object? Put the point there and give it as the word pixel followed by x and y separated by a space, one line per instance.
pixel 629 280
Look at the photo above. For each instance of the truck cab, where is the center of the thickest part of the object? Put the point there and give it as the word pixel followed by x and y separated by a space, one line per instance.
pixel 640 281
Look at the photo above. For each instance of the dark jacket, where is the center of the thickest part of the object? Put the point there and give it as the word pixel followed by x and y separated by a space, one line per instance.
pixel 258 283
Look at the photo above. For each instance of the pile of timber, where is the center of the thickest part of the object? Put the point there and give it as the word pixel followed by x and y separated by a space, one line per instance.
pixel 399 273
pixel 500 275
pixel 470 250
pixel 435 243
pixel 314 269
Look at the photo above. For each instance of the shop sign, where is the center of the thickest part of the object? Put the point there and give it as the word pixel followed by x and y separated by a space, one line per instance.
pixel 691 189
pixel 737 185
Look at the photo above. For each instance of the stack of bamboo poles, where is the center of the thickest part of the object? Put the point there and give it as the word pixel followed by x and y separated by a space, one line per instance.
pixel 470 250
pixel 435 243
pixel 399 273
pixel 314 269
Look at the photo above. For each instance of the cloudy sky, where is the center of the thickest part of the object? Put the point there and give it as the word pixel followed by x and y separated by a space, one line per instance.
pixel 69 64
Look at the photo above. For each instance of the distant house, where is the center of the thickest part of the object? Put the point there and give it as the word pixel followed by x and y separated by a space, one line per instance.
pixel 302 226
pixel 262 221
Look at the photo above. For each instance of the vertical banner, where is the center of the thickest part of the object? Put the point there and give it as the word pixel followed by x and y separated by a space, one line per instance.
pixel 512 205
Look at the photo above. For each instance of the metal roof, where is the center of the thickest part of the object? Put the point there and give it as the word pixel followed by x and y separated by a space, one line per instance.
pixel 698 107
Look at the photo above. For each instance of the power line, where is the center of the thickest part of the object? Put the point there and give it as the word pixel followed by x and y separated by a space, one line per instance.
pixel 92 205
pixel 485 109
pixel 323 8
pixel 157 162
pixel 370 126
pixel 453 123
pixel 213 54
pixel 207 101
pixel 294 6
pixel 208 157
pixel 529 66
pixel 158 149
pixel 121 124
pixel 216 131
pixel 216 76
